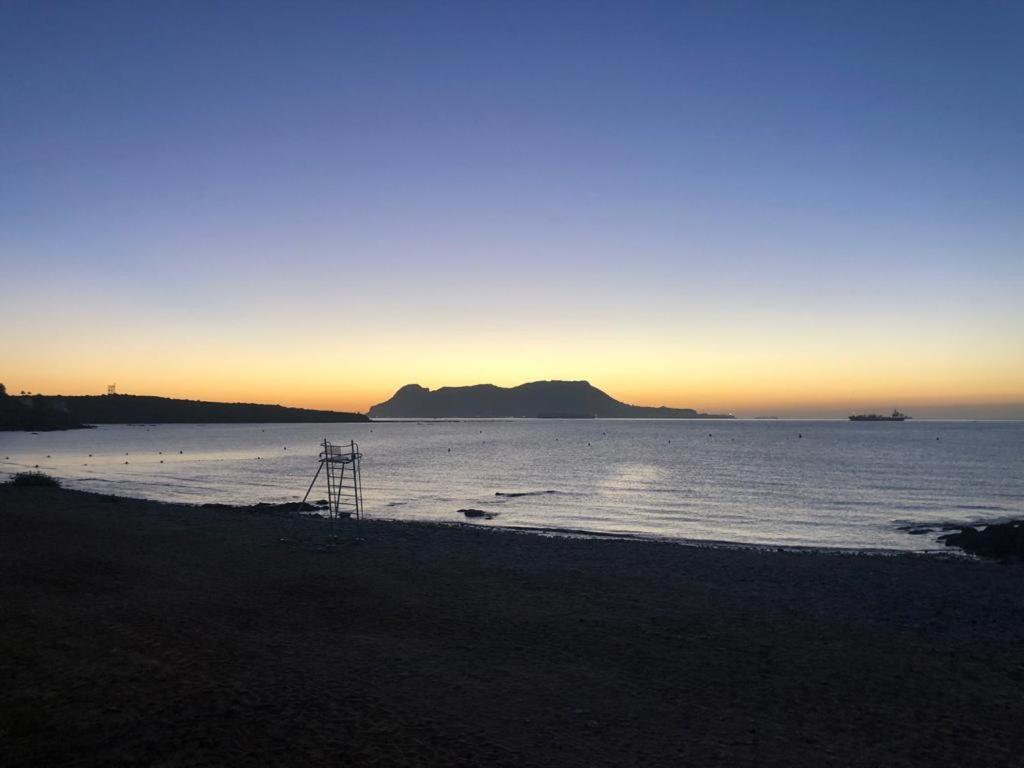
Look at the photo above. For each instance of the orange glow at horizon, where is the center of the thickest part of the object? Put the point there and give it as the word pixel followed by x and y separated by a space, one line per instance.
pixel 701 376
pixel 690 356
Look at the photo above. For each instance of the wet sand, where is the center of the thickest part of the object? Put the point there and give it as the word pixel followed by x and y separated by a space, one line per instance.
pixel 138 632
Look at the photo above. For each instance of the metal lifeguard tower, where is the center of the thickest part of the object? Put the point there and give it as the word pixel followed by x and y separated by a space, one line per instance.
pixel 340 463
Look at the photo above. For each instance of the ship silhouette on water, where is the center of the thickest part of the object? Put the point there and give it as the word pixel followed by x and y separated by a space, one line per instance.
pixel 896 416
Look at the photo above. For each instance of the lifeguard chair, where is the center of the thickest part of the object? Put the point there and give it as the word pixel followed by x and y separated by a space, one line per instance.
pixel 340 464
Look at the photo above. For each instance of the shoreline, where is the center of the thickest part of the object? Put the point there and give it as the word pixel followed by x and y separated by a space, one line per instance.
pixel 938 550
pixel 581 533
pixel 270 507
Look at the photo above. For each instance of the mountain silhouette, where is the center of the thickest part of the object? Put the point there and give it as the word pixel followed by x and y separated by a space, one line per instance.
pixel 538 399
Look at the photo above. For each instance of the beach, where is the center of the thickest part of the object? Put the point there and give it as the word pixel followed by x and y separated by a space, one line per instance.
pixel 168 634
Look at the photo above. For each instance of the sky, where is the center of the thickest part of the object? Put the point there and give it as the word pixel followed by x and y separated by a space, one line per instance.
pixel 760 208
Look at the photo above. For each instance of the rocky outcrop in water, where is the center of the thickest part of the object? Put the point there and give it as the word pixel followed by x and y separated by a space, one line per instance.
pixel 1000 540
pixel 479 514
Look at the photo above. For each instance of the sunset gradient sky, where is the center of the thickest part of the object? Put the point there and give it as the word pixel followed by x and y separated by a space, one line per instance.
pixel 786 208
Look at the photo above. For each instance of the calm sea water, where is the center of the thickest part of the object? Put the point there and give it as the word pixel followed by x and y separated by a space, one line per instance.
pixel 813 483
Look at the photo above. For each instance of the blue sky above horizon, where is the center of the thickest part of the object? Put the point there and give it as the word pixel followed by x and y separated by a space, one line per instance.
pixel 799 207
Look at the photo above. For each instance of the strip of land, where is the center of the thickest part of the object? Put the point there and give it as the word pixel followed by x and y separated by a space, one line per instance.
pixel 140 632
pixel 56 412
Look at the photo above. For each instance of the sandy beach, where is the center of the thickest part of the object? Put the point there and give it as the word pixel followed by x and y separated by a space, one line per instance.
pixel 138 632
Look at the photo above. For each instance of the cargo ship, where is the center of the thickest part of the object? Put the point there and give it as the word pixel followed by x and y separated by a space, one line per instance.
pixel 896 416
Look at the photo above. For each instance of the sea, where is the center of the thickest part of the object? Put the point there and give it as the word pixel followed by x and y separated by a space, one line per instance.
pixel 776 483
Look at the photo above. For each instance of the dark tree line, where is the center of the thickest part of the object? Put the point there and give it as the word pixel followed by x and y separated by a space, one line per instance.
pixel 34 412
pixel 46 412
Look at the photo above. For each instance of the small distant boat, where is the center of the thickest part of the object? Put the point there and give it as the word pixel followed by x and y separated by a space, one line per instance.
pixel 896 416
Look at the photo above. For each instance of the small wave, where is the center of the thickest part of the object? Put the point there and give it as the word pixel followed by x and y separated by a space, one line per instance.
pixel 517 494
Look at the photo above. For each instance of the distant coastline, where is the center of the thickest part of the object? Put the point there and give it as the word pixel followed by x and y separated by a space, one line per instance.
pixel 54 412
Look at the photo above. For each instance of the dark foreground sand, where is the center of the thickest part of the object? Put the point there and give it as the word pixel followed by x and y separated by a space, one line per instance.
pixel 135 632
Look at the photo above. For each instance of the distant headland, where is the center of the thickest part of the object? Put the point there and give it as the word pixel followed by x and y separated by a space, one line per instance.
pixel 538 399
pixel 49 412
